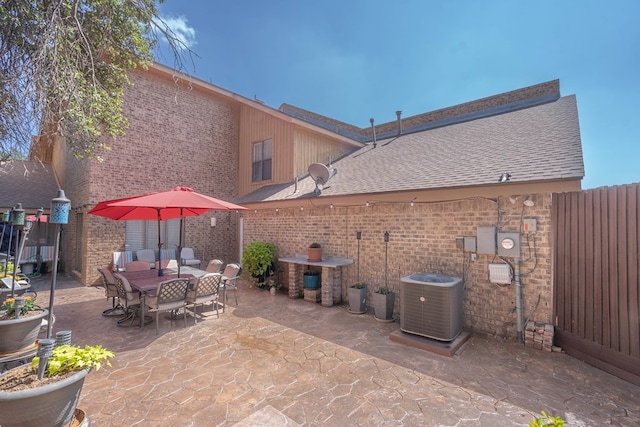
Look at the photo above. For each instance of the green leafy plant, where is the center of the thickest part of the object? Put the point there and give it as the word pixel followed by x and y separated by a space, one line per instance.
pixel 359 285
pixel 258 258
pixel 315 245
pixel 547 421
pixel 9 305
pixel 67 358
pixel 383 290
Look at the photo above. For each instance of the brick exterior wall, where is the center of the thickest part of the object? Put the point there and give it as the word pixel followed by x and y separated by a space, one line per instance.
pixel 422 239
pixel 177 136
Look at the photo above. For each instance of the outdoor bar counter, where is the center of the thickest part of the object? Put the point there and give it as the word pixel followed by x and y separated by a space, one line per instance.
pixel 331 277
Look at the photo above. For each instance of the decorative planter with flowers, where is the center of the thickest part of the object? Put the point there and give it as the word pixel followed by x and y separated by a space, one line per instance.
pixel 20 332
pixel 46 394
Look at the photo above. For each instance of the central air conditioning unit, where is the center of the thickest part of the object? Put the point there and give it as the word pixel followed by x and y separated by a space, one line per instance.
pixel 431 306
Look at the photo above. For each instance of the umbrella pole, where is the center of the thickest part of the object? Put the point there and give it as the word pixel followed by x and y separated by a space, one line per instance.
pixel 160 272
pixel 180 242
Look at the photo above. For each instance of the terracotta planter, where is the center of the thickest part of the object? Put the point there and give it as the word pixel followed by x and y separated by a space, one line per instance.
pixel 314 254
pixel 51 405
pixel 19 334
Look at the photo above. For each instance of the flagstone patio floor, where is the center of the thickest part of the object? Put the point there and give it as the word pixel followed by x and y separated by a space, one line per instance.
pixel 276 361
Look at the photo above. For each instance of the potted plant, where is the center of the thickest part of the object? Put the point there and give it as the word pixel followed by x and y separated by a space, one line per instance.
pixel 19 332
pixel 357 294
pixel 46 394
pixel 258 260
pixel 383 300
pixel 314 252
pixel 273 286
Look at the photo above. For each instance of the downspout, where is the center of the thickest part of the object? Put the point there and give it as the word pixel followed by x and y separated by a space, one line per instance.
pixel 519 311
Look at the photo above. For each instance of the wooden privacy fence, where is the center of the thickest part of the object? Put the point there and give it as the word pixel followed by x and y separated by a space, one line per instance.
pixel 596 277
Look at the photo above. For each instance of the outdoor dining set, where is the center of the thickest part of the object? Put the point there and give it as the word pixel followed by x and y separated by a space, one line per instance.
pixel 139 289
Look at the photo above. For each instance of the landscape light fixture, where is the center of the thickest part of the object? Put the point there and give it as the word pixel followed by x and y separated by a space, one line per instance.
pixel 504 177
pixel 529 203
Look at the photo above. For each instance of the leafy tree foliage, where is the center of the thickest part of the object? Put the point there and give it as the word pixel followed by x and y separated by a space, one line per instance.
pixel 64 64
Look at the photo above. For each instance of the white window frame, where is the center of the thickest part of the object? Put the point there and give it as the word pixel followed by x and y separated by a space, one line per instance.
pixel 262 161
pixel 143 234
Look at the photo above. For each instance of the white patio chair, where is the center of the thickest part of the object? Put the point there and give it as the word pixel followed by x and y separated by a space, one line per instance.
pixel 170 296
pixel 204 291
pixel 187 257
pixel 215 266
pixel 147 255
pixel 230 274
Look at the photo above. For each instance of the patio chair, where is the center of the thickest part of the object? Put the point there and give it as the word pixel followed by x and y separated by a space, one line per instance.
pixel 230 274
pixel 170 296
pixel 147 255
pixel 167 263
pixel 137 266
pixel 205 290
pixel 130 297
pixel 187 257
pixel 215 266
pixel 110 291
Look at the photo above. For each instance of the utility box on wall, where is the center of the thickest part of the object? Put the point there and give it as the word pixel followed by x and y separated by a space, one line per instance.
pixel 509 244
pixel 486 242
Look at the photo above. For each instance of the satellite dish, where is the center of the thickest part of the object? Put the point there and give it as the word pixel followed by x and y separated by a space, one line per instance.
pixel 320 175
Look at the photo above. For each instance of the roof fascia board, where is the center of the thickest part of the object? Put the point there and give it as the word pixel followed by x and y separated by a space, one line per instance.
pixel 433 195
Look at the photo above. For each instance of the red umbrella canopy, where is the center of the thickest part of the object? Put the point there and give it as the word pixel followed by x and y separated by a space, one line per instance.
pixel 175 203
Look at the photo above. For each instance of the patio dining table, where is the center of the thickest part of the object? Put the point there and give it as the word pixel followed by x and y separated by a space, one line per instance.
pixel 147 281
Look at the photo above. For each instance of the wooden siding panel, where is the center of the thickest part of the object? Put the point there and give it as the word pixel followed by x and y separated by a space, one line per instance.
pixel 256 126
pixel 622 286
pixel 596 277
pixel 597 268
pixel 633 220
pixel 314 148
pixel 613 270
pixel 591 302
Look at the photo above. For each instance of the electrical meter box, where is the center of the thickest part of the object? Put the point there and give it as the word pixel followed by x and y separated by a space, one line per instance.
pixel 486 242
pixel 509 244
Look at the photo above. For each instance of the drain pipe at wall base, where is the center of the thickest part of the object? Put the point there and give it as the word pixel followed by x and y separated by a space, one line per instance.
pixel 519 310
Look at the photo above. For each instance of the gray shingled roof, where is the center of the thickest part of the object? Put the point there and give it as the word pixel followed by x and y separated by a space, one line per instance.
pixel 31 183
pixel 535 144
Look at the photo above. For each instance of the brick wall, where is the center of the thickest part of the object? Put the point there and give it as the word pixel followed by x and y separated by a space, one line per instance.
pixel 177 136
pixel 422 238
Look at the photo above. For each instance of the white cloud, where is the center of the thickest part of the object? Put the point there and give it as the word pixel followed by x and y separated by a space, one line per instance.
pixel 182 30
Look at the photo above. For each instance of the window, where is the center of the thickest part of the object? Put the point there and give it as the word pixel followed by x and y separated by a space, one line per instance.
pixel 144 234
pixel 261 161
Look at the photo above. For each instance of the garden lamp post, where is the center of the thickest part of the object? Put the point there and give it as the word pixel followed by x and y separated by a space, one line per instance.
pixel 6 264
pixel 59 215
pixel 38 255
pixel 6 215
pixel 18 223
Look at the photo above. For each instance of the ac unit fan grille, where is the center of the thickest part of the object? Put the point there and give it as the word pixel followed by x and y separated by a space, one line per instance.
pixel 433 311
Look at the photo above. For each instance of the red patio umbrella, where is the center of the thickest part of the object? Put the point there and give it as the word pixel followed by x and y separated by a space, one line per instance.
pixel 179 202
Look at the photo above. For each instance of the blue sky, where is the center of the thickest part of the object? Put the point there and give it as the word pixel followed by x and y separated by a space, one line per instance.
pixel 356 59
